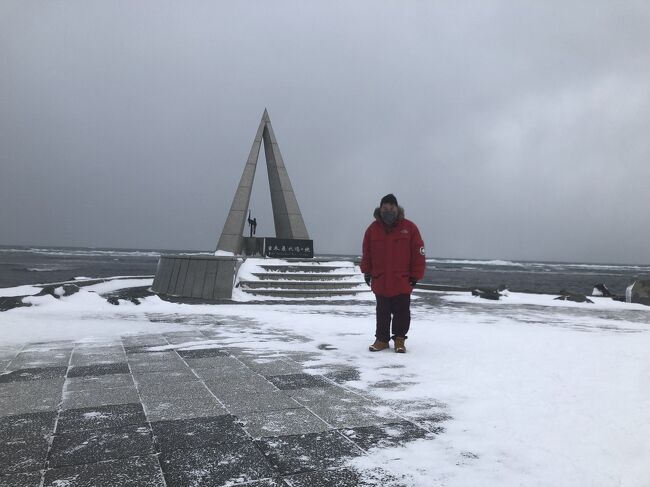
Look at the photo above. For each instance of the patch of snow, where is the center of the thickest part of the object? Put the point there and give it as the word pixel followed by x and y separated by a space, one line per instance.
pixel 512 298
pixel 117 284
pixel 223 253
pixel 26 290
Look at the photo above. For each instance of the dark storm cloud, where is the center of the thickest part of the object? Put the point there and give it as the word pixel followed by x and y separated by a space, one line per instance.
pixel 506 129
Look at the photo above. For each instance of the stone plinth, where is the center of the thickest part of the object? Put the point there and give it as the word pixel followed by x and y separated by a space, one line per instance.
pixel 201 277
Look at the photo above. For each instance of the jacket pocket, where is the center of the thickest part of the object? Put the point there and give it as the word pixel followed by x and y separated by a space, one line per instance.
pixel 403 282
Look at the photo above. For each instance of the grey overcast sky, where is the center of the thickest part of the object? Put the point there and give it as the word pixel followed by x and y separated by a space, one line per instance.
pixel 506 129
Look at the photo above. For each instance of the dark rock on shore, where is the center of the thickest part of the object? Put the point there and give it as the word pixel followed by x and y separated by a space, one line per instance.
pixel 68 290
pixel 11 302
pixel 492 294
pixel 132 294
pixel 575 297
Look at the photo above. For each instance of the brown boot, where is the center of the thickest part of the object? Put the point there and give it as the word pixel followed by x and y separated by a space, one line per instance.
pixel 378 346
pixel 400 346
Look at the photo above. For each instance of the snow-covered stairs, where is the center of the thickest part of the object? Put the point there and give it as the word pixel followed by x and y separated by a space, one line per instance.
pixel 299 279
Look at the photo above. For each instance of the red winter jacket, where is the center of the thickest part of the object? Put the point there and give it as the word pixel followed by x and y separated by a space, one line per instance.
pixel 393 255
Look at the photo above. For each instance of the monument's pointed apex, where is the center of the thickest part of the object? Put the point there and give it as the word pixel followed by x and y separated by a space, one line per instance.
pixel 287 217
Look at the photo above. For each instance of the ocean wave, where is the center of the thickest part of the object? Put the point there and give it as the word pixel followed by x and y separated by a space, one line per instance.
pixel 506 263
pixel 596 267
pixel 84 252
pixel 46 269
pixel 543 266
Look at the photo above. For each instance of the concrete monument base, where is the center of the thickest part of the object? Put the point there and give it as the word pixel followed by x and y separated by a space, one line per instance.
pixel 201 277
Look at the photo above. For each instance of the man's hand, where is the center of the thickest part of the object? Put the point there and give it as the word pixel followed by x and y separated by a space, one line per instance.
pixel 413 281
pixel 367 278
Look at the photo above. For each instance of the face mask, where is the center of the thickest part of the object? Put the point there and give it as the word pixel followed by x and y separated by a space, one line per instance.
pixel 388 217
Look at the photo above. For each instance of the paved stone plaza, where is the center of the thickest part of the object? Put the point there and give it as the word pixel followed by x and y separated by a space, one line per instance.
pixel 123 412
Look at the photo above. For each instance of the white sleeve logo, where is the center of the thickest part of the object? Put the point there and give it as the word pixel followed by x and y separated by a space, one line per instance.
pixel 422 250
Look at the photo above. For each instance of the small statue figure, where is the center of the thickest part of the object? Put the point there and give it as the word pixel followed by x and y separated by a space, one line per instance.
pixel 252 224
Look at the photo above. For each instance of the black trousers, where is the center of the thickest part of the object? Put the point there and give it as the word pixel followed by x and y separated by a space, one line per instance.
pixel 397 308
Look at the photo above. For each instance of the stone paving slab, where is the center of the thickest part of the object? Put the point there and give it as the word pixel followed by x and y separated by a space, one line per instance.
pixel 342 477
pixel 99 369
pixel 264 483
pixel 216 371
pixel 155 362
pixel 198 433
pixel 298 381
pixel 281 423
pixel 23 454
pixel 35 373
pixel 144 341
pixel 184 340
pixel 315 451
pixel 169 376
pixel 100 417
pixel 27 360
pixel 182 408
pixel 35 398
pixel 348 415
pixel 271 367
pixel 385 436
pixel 81 349
pixel 85 447
pixel 201 353
pixel 248 383
pixel 25 479
pixel 223 465
pixel 341 408
pixel 314 395
pixel 135 471
pixel 156 390
pixel 31 424
pixel 247 402
pixel 33 388
pixel 98 382
pixel 100 397
pixel 97 358
pixel 48 346
pixel 133 349
pixel 216 362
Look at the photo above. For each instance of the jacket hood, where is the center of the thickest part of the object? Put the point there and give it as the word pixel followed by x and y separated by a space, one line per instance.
pixel 400 214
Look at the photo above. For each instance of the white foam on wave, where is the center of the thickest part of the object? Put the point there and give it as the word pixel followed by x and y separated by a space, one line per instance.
pixel 544 266
pixel 475 262
pixel 47 269
pixel 85 252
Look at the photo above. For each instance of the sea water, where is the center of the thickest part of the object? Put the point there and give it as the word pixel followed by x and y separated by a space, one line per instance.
pixel 38 265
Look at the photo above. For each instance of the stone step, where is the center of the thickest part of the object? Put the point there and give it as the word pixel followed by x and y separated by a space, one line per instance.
pixel 303 285
pixel 300 276
pixel 301 293
pixel 310 269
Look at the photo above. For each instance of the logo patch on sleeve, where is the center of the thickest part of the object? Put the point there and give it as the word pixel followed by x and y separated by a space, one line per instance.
pixel 422 250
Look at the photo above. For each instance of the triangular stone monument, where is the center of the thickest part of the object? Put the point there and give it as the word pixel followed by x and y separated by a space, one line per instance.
pixel 286 212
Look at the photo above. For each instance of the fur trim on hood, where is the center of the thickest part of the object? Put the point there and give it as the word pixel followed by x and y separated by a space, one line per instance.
pixel 400 214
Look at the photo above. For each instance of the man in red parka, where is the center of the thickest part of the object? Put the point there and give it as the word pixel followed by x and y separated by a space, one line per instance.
pixel 392 263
